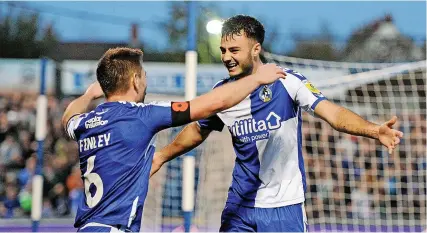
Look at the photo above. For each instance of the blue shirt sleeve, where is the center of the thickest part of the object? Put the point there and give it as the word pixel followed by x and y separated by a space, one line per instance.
pixel 157 115
pixel 212 123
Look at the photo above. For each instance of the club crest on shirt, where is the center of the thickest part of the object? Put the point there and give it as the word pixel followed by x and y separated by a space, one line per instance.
pixel 265 94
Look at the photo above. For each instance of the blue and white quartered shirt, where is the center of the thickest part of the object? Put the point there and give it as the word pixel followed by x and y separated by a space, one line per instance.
pixel 266 134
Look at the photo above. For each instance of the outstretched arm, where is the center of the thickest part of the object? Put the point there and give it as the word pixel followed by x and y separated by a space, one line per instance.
pixel 189 138
pixel 346 121
pixel 206 105
pixel 81 104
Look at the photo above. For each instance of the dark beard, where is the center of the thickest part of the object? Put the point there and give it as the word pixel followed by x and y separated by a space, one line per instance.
pixel 245 72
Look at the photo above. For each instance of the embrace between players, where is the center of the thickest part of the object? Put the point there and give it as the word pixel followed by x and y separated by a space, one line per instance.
pixel 116 139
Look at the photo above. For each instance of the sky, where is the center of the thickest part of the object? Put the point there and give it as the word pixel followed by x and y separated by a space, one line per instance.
pixel 342 17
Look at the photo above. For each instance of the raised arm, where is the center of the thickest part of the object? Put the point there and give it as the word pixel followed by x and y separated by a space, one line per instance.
pixel 202 107
pixel 81 104
pixel 344 120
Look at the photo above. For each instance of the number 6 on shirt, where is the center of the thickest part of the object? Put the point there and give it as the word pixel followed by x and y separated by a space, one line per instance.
pixel 95 179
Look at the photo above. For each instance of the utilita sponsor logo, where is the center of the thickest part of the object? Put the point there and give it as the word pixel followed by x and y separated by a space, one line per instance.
pixel 248 130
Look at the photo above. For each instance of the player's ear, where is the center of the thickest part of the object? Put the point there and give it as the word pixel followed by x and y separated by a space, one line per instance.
pixel 135 82
pixel 256 49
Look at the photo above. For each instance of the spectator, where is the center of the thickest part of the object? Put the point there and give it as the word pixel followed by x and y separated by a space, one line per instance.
pixel 4 126
pixel 361 201
pixel 25 175
pixel 26 143
pixel 75 187
pixel 10 153
pixel 59 200
pixel 11 202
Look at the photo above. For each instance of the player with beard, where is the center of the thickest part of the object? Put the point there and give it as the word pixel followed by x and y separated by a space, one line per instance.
pixel 268 184
pixel 116 139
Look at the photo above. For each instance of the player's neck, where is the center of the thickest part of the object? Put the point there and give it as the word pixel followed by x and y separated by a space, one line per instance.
pixel 257 64
pixel 124 97
pixel 254 69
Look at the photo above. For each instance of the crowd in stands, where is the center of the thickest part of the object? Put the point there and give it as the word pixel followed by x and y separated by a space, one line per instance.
pixel 62 186
pixel 352 177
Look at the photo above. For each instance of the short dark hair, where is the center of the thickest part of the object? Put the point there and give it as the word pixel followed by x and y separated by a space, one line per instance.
pixel 251 27
pixel 115 67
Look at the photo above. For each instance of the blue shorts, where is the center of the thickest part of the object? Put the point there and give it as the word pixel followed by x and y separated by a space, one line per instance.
pixel 236 218
pixel 98 227
pixel 135 226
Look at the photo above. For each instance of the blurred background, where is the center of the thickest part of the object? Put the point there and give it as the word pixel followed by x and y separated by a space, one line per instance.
pixel 367 56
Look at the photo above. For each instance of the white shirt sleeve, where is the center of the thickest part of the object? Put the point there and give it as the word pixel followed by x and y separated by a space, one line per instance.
pixel 72 125
pixel 302 91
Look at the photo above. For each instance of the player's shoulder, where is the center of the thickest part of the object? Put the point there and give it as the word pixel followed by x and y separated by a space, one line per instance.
pixel 139 105
pixel 130 104
pixel 81 117
pixel 152 109
pixel 293 79
pixel 144 110
pixel 290 73
pixel 76 124
pixel 222 82
pixel 105 112
pixel 159 104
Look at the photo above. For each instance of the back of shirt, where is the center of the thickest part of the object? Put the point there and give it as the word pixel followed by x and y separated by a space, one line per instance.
pixel 116 146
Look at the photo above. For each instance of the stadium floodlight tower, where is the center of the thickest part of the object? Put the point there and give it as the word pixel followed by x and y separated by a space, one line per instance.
pixel 188 176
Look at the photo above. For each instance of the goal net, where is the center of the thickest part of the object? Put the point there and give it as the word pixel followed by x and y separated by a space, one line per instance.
pixel 353 184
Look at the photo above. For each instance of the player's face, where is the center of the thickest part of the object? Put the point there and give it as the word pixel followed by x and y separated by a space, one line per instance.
pixel 236 56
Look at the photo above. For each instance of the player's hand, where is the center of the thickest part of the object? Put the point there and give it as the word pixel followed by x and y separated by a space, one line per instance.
pixel 94 90
pixel 156 164
pixel 269 73
pixel 388 136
